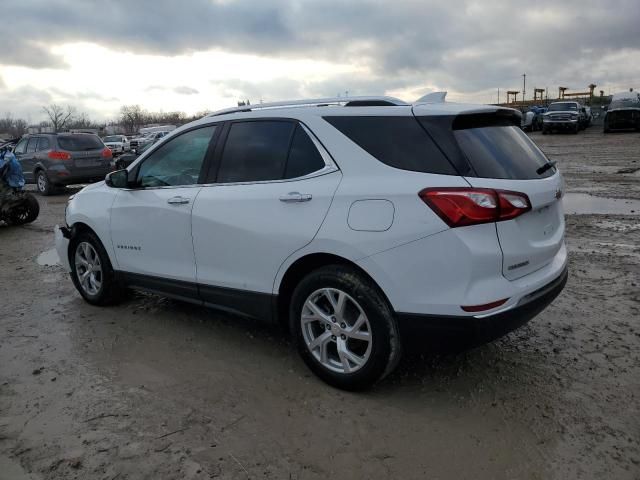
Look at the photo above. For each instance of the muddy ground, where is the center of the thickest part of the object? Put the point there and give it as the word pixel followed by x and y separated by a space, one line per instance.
pixel 161 390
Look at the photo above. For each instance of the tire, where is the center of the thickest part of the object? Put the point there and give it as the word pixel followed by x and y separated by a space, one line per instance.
pixel 43 184
pixel 544 131
pixel 576 130
pixel 103 288
pixel 365 332
pixel 27 212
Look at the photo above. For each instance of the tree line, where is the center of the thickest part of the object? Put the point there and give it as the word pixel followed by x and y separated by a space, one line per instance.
pixel 61 118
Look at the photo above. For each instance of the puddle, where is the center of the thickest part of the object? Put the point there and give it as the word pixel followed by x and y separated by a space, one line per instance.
pixel 584 204
pixel 48 258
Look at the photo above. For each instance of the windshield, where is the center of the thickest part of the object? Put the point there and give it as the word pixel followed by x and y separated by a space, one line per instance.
pixel 563 107
pixel 113 138
pixel 80 142
pixel 629 102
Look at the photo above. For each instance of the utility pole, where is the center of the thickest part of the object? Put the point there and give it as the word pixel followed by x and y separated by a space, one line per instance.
pixel 498 96
pixel 524 85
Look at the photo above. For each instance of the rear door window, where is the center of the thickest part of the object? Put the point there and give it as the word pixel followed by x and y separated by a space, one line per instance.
pixel 74 143
pixel 255 151
pixel 44 144
pixel 32 145
pixel 304 157
pixel 399 142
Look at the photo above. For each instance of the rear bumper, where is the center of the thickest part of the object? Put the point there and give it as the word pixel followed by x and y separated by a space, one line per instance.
pixel 480 329
pixel 73 176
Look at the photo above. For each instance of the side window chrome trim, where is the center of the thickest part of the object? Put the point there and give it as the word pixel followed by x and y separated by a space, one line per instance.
pixel 318 173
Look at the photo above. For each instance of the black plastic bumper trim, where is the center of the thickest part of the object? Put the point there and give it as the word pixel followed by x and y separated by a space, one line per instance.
pixel 485 329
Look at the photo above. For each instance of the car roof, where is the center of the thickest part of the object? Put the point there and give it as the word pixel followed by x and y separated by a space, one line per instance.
pixel 302 110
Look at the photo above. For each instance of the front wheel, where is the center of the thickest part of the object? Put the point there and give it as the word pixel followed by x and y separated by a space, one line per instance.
pixel 344 328
pixel 91 270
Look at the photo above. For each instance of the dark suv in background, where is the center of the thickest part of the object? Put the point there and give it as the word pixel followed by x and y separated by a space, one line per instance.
pixel 52 160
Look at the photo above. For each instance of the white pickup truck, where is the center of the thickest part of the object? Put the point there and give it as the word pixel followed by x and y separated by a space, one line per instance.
pixel 117 143
pixel 563 116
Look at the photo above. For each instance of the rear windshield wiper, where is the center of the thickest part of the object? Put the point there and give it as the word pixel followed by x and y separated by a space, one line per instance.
pixel 546 167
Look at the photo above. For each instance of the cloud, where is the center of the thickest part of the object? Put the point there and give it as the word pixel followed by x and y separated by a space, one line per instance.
pixel 18 50
pixel 184 90
pixel 469 47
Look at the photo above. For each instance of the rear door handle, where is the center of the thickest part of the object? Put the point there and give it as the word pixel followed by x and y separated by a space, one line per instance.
pixel 177 201
pixel 294 197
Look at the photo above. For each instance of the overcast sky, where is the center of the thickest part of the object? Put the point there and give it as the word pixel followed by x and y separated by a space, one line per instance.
pixel 193 55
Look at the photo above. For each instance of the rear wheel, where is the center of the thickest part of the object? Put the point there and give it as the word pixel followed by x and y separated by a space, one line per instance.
pixel 43 184
pixel 343 328
pixel 91 271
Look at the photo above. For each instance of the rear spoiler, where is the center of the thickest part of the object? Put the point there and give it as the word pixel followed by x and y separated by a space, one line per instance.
pixel 502 117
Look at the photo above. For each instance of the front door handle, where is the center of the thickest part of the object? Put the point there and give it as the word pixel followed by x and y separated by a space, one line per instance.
pixel 177 201
pixel 293 197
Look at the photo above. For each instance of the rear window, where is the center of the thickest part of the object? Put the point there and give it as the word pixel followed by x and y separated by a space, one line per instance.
pixel 501 152
pixel 80 142
pixel 488 145
pixel 399 142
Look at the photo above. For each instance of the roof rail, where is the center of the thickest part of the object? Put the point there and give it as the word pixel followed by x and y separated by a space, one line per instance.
pixel 348 101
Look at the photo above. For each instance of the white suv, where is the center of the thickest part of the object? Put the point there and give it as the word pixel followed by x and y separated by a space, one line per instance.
pixel 357 223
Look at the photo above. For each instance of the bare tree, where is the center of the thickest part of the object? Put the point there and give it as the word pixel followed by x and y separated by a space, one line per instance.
pixel 59 116
pixel 16 127
pixel 132 117
pixel 81 120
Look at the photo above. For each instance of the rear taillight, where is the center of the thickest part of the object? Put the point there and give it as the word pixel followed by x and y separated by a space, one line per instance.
pixel 106 153
pixel 459 207
pixel 54 155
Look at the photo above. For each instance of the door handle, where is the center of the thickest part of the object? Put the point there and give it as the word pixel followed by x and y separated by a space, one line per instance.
pixel 177 201
pixel 294 197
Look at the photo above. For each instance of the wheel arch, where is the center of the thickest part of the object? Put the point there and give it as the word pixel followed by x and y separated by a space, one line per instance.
pixel 303 266
pixel 81 227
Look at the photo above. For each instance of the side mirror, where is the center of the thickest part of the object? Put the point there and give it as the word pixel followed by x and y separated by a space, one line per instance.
pixel 117 179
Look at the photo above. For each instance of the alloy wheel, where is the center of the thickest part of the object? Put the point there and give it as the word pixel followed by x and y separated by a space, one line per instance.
pixel 336 330
pixel 88 268
pixel 42 182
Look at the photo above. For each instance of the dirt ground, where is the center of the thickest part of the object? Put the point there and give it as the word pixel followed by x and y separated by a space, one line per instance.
pixel 155 389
